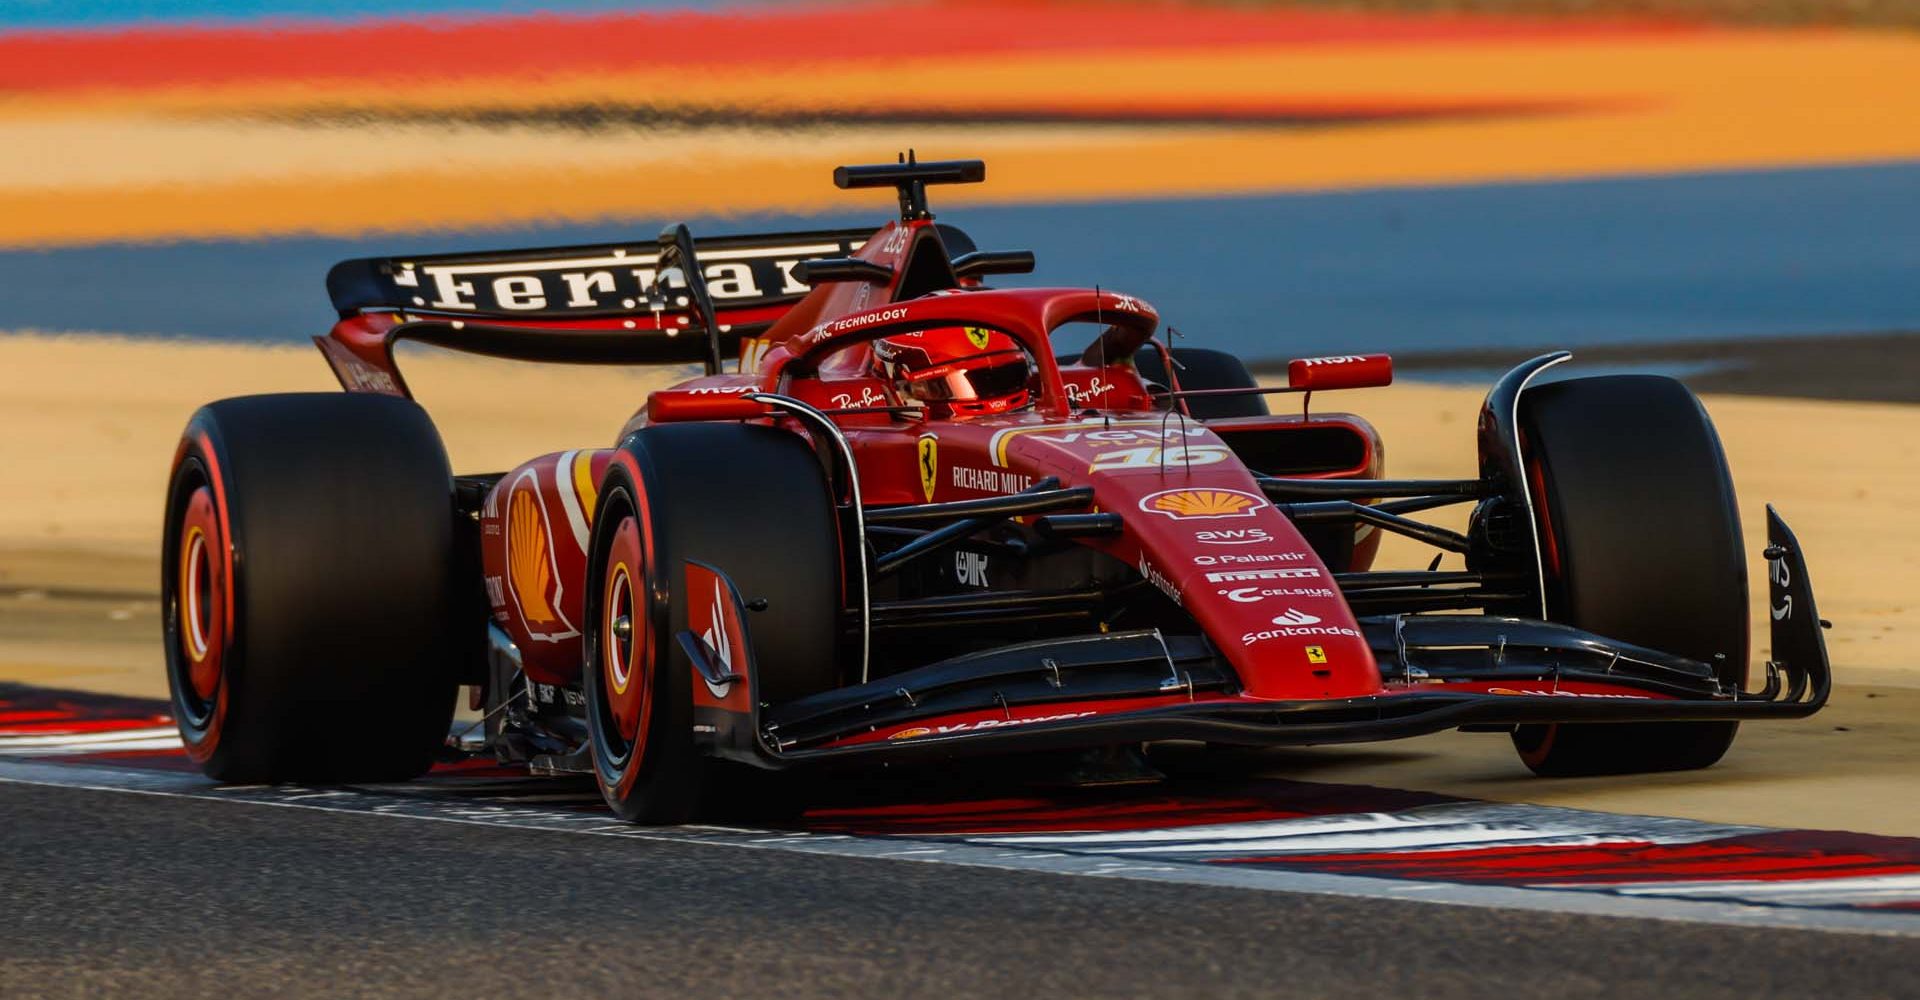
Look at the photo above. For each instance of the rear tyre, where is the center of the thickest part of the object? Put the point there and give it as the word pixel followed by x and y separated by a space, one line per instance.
pixel 751 501
pixel 313 616
pixel 1640 542
pixel 1204 369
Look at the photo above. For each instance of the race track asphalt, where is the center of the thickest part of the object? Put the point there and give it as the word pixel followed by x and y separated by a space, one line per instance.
pixel 122 894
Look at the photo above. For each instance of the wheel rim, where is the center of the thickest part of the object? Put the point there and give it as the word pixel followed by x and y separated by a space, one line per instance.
pixel 201 601
pixel 626 649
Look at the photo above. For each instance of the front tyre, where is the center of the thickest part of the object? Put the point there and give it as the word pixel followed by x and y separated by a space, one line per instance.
pixel 1640 541
pixel 750 500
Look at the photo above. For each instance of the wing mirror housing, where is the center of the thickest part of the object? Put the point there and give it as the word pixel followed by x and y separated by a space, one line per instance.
pixel 680 405
pixel 1340 371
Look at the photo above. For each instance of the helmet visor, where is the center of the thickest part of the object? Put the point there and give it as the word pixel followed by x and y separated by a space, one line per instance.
pixel 967 385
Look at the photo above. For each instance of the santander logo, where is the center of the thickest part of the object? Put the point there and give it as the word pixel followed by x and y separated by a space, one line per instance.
pixel 1294 616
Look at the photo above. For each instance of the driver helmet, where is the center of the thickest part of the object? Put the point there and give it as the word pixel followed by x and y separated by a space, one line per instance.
pixel 956 371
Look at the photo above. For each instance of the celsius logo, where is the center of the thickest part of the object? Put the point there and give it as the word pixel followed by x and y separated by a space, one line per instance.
pixel 1254 595
pixel 1295 616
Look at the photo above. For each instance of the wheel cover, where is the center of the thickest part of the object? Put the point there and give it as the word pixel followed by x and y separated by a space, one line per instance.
pixel 626 646
pixel 201 596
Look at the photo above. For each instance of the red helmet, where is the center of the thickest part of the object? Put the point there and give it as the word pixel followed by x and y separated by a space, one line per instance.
pixel 963 371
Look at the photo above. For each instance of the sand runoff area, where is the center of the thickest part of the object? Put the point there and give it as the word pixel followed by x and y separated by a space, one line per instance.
pixel 91 424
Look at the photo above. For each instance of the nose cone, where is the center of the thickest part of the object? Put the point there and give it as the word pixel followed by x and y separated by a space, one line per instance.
pixel 1256 587
pixel 1199 528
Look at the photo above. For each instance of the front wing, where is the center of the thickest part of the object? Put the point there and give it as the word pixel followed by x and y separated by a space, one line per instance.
pixel 1145 687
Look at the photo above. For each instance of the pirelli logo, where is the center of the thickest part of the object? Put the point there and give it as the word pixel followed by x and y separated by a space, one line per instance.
pixel 1252 575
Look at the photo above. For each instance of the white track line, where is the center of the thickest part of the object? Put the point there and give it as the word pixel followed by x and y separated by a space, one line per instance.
pixel 86 741
pixel 378 802
pixel 1448 826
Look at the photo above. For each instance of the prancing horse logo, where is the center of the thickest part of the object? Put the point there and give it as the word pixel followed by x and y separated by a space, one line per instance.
pixel 929 463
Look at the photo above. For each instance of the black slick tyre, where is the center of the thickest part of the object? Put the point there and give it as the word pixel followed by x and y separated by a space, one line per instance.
pixel 1641 542
pixel 309 585
pixel 1200 368
pixel 751 501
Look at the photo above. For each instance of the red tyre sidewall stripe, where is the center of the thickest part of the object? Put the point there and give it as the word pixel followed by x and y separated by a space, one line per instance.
pixel 646 585
pixel 202 628
pixel 628 677
pixel 202 744
pixel 1537 756
pixel 210 456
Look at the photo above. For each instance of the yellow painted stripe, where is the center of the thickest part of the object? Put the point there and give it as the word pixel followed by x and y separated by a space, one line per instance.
pixel 583 486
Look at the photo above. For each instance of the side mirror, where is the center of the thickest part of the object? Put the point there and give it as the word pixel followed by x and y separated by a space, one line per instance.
pixel 822 270
pixel 979 262
pixel 679 405
pixel 1340 371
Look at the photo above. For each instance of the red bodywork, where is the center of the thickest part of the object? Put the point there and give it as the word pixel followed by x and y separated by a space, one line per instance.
pixel 1199 527
pixel 1196 523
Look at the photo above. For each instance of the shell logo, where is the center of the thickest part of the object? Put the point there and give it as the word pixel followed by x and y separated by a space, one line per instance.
pixel 533 571
pixel 1184 504
pixel 907 734
pixel 527 557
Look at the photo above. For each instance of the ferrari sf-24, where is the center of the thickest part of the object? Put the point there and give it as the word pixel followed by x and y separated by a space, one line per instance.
pixel 905 515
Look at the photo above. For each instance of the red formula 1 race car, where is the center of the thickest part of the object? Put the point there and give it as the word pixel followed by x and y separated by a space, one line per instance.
pixel 902 526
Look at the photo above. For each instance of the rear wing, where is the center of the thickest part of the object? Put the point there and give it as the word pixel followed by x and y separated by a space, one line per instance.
pixel 677 300
pixel 606 303
pixel 581 282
